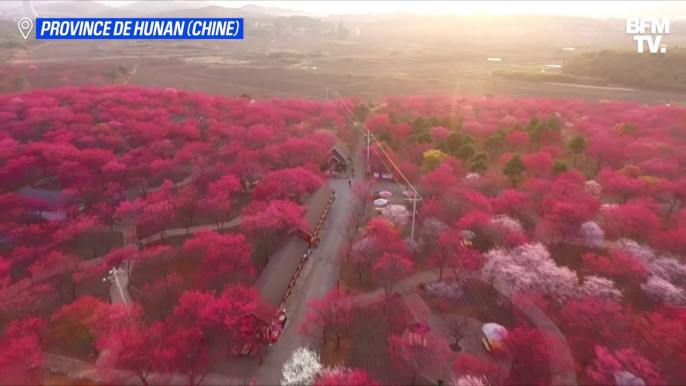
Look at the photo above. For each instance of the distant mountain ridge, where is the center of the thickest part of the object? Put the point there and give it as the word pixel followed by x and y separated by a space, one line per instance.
pixel 277 11
pixel 167 8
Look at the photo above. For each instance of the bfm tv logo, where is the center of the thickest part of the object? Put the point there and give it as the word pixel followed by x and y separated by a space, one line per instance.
pixel 639 26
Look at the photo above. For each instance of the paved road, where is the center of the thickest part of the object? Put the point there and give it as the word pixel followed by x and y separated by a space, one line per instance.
pixel 319 277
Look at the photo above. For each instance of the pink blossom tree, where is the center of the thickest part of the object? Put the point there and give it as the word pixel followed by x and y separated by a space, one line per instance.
pixel 469 380
pixel 608 365
pixel 600 287
pixel 439 133
pixel 593 234
pixel 341 375
pixel 217 201
pixel 389 269
pixel 593 187
pixel 662 291
pixel 529 268
pixel 397 215
pixel 670 269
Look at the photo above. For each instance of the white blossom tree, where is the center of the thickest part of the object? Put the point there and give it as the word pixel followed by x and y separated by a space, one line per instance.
pixel 507 223
pixel 467 235
pixel 397 215
pixel 593 234
pixel 593 187
pixel 600 287
pixel 670 269
pixel 450 290
pixel 472 176
pixel 662 291
pixel 414 246
pixel 301 368
pixel 631 247
pixel 434 226
pixel 469 380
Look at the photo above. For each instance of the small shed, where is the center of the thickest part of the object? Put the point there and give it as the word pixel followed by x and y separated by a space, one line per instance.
pixel 50 205
pixel 338 158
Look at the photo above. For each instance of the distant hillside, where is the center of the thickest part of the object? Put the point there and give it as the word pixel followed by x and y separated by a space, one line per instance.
pixel 301 22
pixel 117 12
pixel 148 6
pixel 211 11
pixel 524 31
pixel 273 10
pixel 662 71
pixel 83 8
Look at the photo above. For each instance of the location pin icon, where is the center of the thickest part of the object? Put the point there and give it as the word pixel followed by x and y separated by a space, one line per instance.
pixel 25 27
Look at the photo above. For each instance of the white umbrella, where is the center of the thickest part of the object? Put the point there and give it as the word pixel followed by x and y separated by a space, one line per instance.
pixel 494 331
pixel 467 234
pixel 380 202
pixel 386 194
pixel 625 378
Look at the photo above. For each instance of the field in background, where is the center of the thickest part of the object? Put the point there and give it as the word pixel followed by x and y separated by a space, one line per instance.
pixel 267 67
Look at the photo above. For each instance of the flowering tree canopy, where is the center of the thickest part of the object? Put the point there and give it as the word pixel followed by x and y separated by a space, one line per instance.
pixel 593 187
pixel 593 234
pixel 397 215
pixel 341 375
pixel 662 291
pixel 529 268
pixel 608 366
pixel 469 380
pixel 600 287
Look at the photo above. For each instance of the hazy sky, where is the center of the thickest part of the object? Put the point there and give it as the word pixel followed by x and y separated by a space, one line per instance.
pixel 619 9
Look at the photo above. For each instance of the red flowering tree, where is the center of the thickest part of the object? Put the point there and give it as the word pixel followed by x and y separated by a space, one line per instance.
pixel 218 200
pixel 226 258
pixel 627 364
pixel 479 367
pixel 534 353
pixel 411 360
pixel 339 375
pixel 267 225
pixel 287 184
pixel 389 269
pixel 330 316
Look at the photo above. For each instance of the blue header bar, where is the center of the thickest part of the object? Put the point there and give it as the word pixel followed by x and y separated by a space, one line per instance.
pixel 138 28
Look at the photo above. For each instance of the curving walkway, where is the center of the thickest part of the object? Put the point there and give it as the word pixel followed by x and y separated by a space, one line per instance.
pixel 183 231
pixel 77 369
pixel 129 237
pixel 406 288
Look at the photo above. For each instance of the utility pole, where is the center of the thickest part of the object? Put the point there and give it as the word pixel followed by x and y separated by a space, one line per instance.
pixel 369 168
pixel 414 213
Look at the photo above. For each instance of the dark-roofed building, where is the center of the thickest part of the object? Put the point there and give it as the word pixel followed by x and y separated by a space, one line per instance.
pixel 52 205
pixel 338 158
